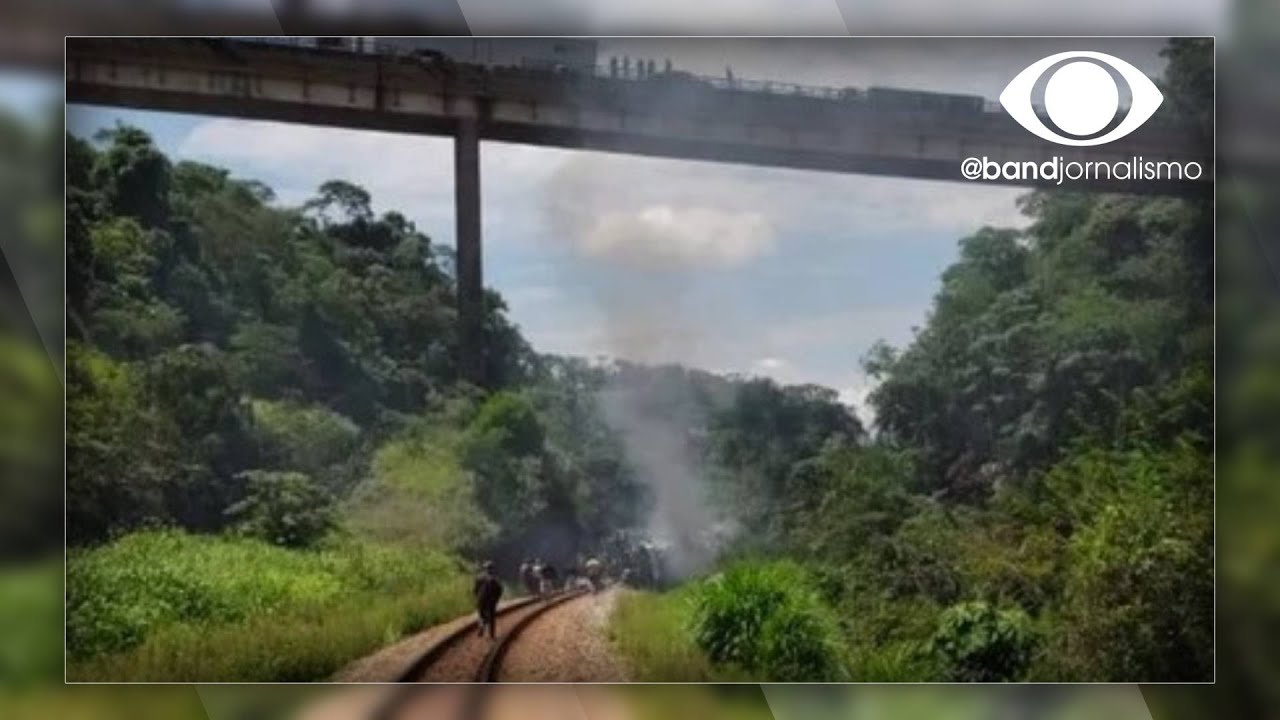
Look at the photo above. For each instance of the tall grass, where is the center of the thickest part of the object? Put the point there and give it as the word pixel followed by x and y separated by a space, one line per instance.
pixel 650 632
pixel 166 605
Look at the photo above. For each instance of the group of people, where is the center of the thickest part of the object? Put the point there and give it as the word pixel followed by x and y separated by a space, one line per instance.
pixel 540 579
pixel 644 68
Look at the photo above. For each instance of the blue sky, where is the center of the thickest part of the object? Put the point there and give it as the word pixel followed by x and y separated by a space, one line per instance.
pixel 784 273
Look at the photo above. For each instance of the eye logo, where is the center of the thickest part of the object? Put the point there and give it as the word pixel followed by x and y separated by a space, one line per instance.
pixel 1081 98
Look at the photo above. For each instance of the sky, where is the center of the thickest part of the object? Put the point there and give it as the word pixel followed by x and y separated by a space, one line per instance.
pixel 788 274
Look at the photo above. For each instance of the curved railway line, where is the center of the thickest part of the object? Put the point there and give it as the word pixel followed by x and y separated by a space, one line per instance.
pixel 463 655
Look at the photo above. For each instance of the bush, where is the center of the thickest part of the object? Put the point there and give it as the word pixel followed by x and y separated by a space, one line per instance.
pixel 975 642
pixel 767 619
pixel 285 508
pixel 1139 591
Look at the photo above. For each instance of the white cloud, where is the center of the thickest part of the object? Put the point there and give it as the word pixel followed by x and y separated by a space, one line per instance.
pixel 672 213
pixel 769 365
pixel 681 237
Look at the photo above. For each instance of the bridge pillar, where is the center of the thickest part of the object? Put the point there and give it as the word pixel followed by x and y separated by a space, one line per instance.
pixel 466 178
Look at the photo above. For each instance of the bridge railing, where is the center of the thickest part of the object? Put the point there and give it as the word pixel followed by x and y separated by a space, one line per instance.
pixel 600 70
pixel 376 46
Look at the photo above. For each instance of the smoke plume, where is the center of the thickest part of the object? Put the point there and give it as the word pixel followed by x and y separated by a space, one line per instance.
pixel 639 252
pixel 657 445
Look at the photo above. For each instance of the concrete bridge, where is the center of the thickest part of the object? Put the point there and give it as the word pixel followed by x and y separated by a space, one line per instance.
pixel 671 115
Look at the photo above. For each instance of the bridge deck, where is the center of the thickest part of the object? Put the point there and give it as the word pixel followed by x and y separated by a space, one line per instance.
pixel 663 115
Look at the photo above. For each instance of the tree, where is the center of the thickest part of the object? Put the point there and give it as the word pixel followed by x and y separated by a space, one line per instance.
pixel 505 450
pixel 284 508
pixel 352 203
pixel 133 176
pixel 1189 80
pixel 191 385
pixel 122 456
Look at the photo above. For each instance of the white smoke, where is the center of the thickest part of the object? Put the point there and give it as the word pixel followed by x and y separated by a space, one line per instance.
pixel 659 236
pixel 644 243
pixel 656 215
pixel 657 445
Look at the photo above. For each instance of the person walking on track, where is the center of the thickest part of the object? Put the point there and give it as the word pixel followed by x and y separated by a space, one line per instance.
pixel 487 591
pixel 595 570
pixel 529 577
pixel 534 580
pixel 549 577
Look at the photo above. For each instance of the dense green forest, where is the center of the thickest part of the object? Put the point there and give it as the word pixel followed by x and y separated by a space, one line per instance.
pixel 267 431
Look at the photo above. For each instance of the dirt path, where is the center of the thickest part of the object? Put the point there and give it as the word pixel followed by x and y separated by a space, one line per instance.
pixel 569 643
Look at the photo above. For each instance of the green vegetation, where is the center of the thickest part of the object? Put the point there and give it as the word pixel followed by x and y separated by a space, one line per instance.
pixel 167 605
pixel 979 643
pixel 650 631
pixel 1037 501
pixel 273 464
pixel 768 620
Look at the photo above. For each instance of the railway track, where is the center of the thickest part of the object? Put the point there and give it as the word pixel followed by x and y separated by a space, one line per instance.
pixel 463 655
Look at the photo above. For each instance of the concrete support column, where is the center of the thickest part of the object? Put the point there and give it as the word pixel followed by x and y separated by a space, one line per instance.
pixel 466 174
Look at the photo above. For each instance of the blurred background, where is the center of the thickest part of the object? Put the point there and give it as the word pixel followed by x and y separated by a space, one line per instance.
pixel 31 352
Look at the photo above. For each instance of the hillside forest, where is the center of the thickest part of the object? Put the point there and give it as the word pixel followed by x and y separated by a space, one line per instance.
pixel 274 465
